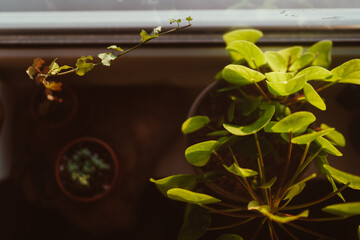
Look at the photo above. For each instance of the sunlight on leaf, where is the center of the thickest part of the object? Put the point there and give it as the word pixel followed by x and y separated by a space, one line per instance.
pixel 322 51
pixel 254 127
pixel 294 191
pixel 186 181
pixel 343 209
pixel 252 54
pixel 315 73
pixel 83 66
pixel 294 122
pixel 309 137
pixel 288 87
pixel 199 154
pixel 334 136
pixel 241 172
pixel 184 195
pixel 106 58
pixel 276 61
pixel 348 72
pixel 302 62
pixel 328 146
pixel 313 97
pixel 194 123
pixel 291 54
pixel 241 75
pixel 115 48
pixel 343 177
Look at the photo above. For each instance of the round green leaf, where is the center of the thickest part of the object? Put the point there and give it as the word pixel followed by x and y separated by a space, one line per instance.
pixel 250 35
pixel 348 72
pixel 322 51
pixel 288 87
pixel 315 73
pixel 276 61
pixel 254 127
pixel 334 136
pixel 184 195
pixel 328 146
pixel 278 76
pixel 252 54
pixel 241 172
pixel 186 181
pixel 194 123
pixel 294 122
pixel 302 62
pixel 241 75
pixel 199 154
pixel 343 209
pixel 343 177
pixel 294 191
pixel 309 137
pixel 291 54
pixel 229 236
pixel 313 97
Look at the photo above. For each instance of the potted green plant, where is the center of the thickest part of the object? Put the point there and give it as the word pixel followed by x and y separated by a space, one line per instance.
pixel 252 135
pixel 86 169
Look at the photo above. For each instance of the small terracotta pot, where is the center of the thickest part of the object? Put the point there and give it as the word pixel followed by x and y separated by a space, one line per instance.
pixel 60 114
pixel 107 151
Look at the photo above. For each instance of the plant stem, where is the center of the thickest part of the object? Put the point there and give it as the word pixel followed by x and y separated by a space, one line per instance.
pixel 324 198
pixel 287 231
pixel 229 214
pixel 273 230
pixel 321 219
pixel 298 170
pixel 262 92
pixel 230 226
pixel 261 165
pixel 316 234
pixel 286 169
pixel 326 86
pixel 258 229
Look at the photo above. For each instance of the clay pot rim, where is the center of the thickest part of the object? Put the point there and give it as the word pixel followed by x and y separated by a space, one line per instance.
pixel 93 140
pixel 65 121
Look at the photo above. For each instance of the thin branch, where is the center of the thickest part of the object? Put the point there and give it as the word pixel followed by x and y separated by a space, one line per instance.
pixel 287 231
pixel 230 226
pixel 311 232
pixel 214 210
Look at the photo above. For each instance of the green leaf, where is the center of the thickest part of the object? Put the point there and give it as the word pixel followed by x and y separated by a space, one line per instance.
pixel 348 72
pixel 241 75
pixel 327 146
pixel 278 76
pixel 343 177
pixel 313 97
pixel 218 133
pixel 186 181
pixel 265 210
pixel 241 172
pixel 322 51
pixel 294 191
pixel 250 35
pixel 319 163
pixel 249 105
pixel 294 122
pixel 31 72
pixel 334 136
pixel 309 137
pixel 154 34
pixel 276 61
pixel 189 19
pixel 268 184
pixel 343 209
pixel 228 236
pixel 254 127
pixel 302 62
pixel 115 48
pixel 83 66
pixel 187 196
pixel 315 73
pixel 291 54
pixel 194 123
pixel 199 154
pixel 252 54
pixel 288 87
pixel 231 112
pixel 196 222
pixel 106 58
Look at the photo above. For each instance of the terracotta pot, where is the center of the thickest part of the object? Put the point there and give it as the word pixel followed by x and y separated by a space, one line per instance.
pixel 53 114
pixel 75 190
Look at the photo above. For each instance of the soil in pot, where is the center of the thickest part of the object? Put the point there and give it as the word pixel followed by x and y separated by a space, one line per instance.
pixel 88 181
pixel 54 113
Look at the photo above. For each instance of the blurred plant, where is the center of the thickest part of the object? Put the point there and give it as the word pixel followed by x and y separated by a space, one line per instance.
pixel 42 73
